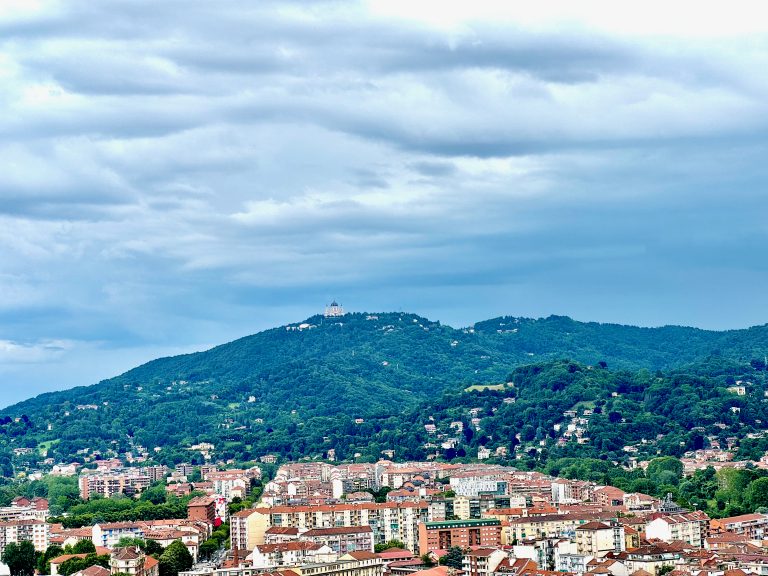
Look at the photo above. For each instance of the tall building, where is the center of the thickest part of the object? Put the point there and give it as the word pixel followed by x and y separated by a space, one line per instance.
pixel 29 529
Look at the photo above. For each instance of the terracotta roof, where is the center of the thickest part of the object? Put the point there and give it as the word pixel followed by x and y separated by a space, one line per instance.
pixel 742 518
pixel 593 526
pixel 126 553
pixel 65 557
pixel 245 513
pixel 287 547
pixel 94 570
pixel 481 552
pixel 282 530
pixel 395 553
pixel 201 501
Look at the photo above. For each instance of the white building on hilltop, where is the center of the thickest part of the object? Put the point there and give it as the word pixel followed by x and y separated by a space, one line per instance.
pixel 334 310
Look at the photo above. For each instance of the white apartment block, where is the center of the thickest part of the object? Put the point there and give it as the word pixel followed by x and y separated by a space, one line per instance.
pixel 31 530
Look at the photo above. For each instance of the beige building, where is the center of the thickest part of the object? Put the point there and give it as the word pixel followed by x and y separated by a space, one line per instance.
pixel 691 527
pixel 598 539
pixel 549 526
pixel 247 528
pixel 111 482
pixel 388 520
pixel 31 530
pixel 131 560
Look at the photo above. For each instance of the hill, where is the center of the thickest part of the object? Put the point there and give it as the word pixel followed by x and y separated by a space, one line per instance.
pixel 299 389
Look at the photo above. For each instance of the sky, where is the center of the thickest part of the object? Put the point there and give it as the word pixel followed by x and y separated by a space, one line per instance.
pixel 177 174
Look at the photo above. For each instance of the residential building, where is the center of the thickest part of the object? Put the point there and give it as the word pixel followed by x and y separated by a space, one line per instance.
pixel 22 508
pixel 690 527
pixel 651 558
pixel 108 483
pixel 551 525
pixel 342 539
pixel 25 529
pixel 202 508
pixel 462 533
pixel 131 560
pixel 109 534
pixel 247 528
pixel 388 520
pixel 482 561
pixel 754 526
pixel 598 538
pixel 268 556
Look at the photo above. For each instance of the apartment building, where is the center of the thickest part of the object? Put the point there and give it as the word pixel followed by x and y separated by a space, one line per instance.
pixel 25 530
pixel 108 483
pixel 388 520
pixel 549 525
pixel 753 526
pixel 232 483
pixel 202 508
pixel 342 539
pixel 462 533
pixel 690 527
pixel 108 534
pixel 132 561
pixel 467 507
pixel 482 561
pixel 599 538
pixel 247 528
pixel 269 556
pixel 21 507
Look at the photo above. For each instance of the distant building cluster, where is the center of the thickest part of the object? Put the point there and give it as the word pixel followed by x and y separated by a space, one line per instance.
pixel 319 518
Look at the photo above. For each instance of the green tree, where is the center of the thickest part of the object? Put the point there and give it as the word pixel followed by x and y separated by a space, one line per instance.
pixel 453 558
pixel 208 548
pixel 427 560
pixel 84 547
pixel 175 559
pixel 668 463
pixel 44 560
pixel 76 564
pixel 149 546
pixel 391 544
pixel 757 493
pixel 20 558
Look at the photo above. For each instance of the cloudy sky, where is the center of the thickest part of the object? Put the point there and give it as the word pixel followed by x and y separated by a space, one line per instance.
pixel 177 174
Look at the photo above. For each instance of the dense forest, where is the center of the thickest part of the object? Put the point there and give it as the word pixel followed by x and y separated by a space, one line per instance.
pixel 367 383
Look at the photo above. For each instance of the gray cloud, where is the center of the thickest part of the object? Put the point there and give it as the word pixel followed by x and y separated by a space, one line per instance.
pixel 175 175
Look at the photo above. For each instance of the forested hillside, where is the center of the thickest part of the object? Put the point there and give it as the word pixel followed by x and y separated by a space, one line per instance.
pixel 298 390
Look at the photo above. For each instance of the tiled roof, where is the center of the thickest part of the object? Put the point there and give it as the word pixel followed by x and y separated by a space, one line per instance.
pixel 94 570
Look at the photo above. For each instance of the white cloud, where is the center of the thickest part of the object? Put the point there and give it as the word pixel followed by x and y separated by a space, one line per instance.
pixel 32 352
pixel 173 173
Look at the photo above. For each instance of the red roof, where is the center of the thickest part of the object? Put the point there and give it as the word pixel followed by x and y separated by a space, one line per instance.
pixel 95 570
